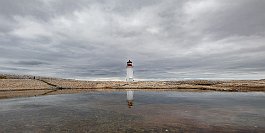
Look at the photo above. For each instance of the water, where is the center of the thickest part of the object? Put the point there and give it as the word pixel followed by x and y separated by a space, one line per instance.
pixel 136 111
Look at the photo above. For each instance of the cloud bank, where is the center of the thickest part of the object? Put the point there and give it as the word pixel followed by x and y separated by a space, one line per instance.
pixel 166 39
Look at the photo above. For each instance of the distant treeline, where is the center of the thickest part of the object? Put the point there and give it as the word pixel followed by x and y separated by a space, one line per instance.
pixel 17 76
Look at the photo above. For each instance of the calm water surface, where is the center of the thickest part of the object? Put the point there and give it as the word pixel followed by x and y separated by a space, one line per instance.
pixel 136 111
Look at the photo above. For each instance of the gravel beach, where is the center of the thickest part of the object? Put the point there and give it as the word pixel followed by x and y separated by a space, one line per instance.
pixel 25 86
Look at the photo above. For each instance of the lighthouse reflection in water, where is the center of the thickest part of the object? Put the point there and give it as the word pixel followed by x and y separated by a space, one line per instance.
pixel 130 98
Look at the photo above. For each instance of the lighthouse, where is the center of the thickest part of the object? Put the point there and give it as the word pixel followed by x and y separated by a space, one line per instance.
pixel 129 69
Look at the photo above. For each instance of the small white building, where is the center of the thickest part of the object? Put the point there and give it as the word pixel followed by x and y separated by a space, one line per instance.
pixel 129 69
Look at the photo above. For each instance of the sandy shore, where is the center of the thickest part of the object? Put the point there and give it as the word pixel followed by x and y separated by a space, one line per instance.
pixel 37 86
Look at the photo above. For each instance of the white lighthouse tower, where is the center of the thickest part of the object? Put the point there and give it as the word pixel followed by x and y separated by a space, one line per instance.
pixel 129 70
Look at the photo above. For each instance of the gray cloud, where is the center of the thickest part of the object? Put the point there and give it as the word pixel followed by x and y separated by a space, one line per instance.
pixel 167 40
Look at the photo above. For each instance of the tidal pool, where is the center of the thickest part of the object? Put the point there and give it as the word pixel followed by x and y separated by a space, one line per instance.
pixel 136 111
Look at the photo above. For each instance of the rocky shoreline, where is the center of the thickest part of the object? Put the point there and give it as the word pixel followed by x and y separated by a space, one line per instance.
pixel 26 86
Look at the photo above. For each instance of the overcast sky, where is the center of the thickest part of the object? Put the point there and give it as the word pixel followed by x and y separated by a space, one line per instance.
pixel 165 39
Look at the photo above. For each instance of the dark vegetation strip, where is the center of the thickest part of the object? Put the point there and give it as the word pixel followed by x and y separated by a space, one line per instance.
pixel 46 93
pixel 55 87
pixel 24 90
pixel 47 83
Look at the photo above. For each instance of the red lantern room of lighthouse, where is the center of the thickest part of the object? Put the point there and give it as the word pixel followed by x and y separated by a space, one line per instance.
pixel 129 63
pixel 129 70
